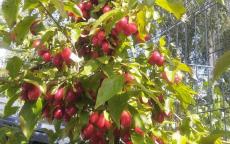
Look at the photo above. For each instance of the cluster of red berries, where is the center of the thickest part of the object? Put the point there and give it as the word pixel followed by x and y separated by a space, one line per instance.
pixel 58 59
pixel 30 92
pixel 99 39
pixel 96 128
pixel 61 105
pixel 124 26
pixel 156 58
pixel 125 128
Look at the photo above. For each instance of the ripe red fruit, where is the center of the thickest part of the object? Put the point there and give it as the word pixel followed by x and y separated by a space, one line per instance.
pixel 87 6
pixel 139 131
pixel 37 43
pixel 46 56
pixel 34 93
pixel 70 96
pixel 154 57
pixel 59 95
pixel 130 29
pixel 121 25
pixel 126 137
pixel 114 32
pixel 160 61
pixel 101 121
pixel 94 117
pixel 125 119
pixel 95 40
pixel 88 131
pixel 105 47
pixel 108 124
pixel 106 8
pixel 66 52
pixel 86 14
pixel 128 78
pixel 94 2
pixel 159 117
pixel 42 51
pixel 57 60
pixel 101 36
pixel 71 110
pixel 58 114
pixel 46 112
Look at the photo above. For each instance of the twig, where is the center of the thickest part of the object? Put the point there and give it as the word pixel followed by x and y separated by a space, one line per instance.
pixel 63 30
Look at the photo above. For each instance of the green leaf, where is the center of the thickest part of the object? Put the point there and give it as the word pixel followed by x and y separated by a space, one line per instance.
pixel 141 21
pixel 22 28
pixel 48 35
pixel 90 67
pixel 75 34
pixel 30 4
pixel 104 59
pixel 116 106
pixel 137 139
pixel 184 94
pixel 175 7
pixel 104 18
pixel 109 88
pixel 13 66
pixel 222 64
pixel 213 137
pixel 29 116
pixel 58 4
pixel 10 11
pixel 72 7
pixel 9 109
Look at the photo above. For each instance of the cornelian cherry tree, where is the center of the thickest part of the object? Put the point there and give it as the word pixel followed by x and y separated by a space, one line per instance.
pixel 78 65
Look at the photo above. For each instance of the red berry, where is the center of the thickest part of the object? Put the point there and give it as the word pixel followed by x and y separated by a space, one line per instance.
pixel 105 47
pixel 46 56
pixel 88 131
pixel 57 104
pixel 101 36
pixel 70 96
pixel 154 57
pixel 58 114
pixel 57 60
pixel 94 117
pixel 34 93
pixel 37 43
pixel 122 24
pixel 108 124
pixel 101 121
pixel 42 51
pixel 66 117
pixel 130 29
pixel 126 137
pixel 159 117
pixel 87 5
pixel 71 110
pixel 114 32
pixel 160 61
pixel 95 40
pixel 128 78
pixel 59 95
pixel 139 131
pixel 81 6
pixel 125 119
pixel 86 14
pixel 106 8
pixel 66 52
